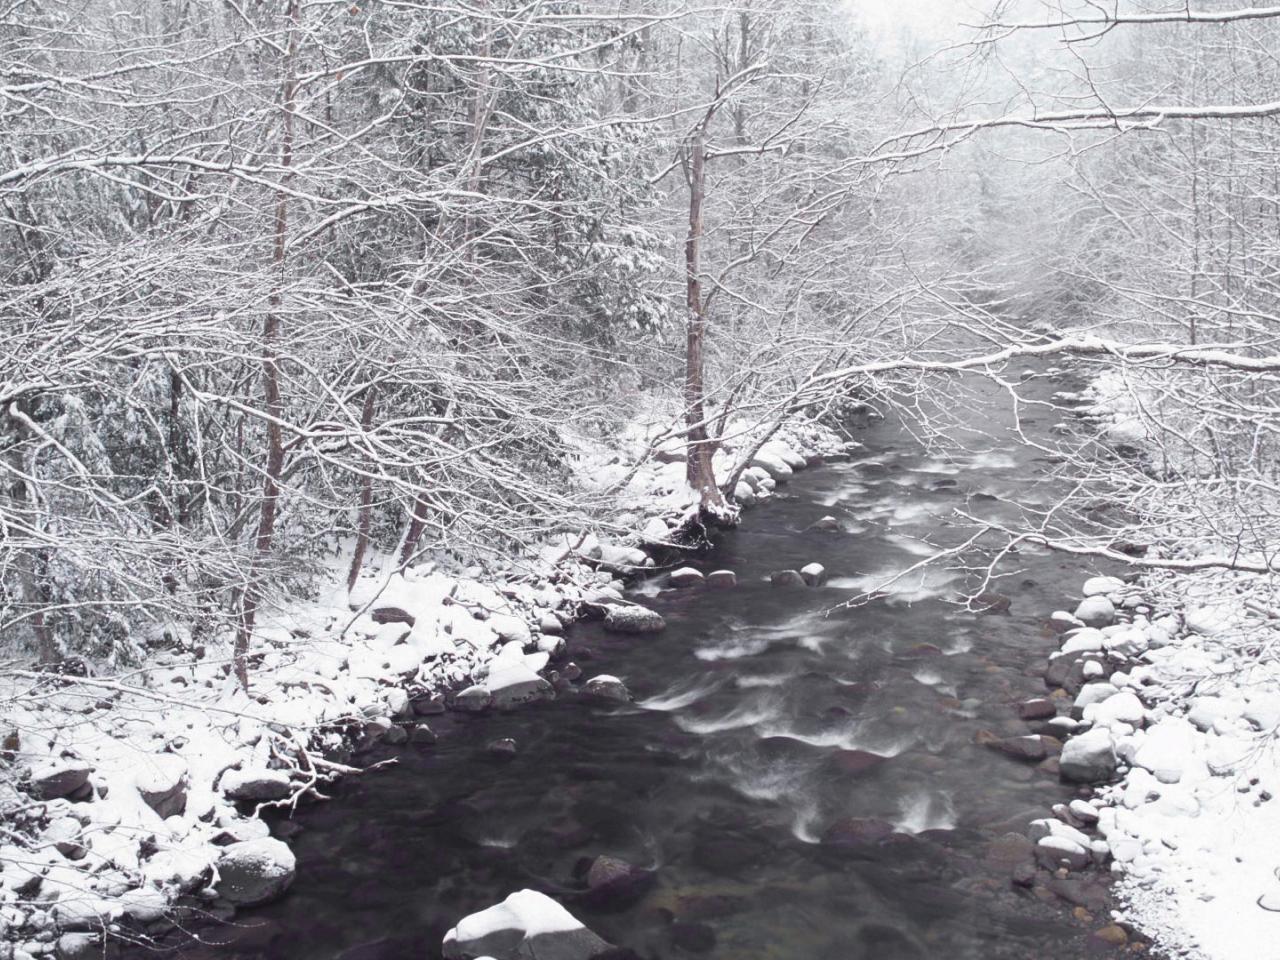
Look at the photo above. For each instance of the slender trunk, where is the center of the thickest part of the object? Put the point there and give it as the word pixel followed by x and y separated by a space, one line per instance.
pixel 699 469
pixel 26 504
pixel 417 523
pixel 273 404
pixel 364 521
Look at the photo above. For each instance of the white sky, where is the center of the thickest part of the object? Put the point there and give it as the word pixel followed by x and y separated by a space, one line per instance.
pixel 929 21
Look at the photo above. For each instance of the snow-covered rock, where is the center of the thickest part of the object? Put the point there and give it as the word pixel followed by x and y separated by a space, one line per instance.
pixel 515 683
pixel 608 687
pixel 1096 611
pixel 686 577
pixel 526 926
pixel 815 574
pixel 254 871
pixel 1089 757
pixel 633 618
pixel 162 782
pixel 255 784
pixel 1096 586
pixel 59 777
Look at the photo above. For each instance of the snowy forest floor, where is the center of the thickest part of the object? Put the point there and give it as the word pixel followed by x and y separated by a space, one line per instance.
pixel 131 801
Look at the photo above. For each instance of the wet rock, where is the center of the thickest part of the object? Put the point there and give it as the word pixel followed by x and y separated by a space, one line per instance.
pixel 614 884
pixel 392 615
pixel 395 735
pixel 693 937
pixel 1096 612
pixel 1089 757
pixel 1030 748
pixel 504 748
pixel 1039 709
pixel 920 651
pixel 1023 875
pixel 854 832
pixel 1112 934
pixel 59 778
pixel 786 578
pixel 815 574
pixel 1009 850
pixel 426 705
pixel 162 783
pixel 474 699
pixel 856 763
pixel 608 687
pixel 827 524
pixel 422 735
pixel 526 926
pixel 254 871
pixel 571 671
pixel 633 619
pixel 686 577
pixel 255 785
pixel 722 579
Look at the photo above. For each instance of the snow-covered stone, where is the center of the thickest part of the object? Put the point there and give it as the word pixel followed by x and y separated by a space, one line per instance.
pixel 516 683
pixel 1085 640
pixel 1096 586
pixel 633 618
pixel 1089 757
pixel 1096 611
pixel 255 871
pixel 777 468
pixel 608 687
pixel 255 784
pixel 526 926
pixel 59 777
pixel 815 574
pixel 162 782
pixel 686 577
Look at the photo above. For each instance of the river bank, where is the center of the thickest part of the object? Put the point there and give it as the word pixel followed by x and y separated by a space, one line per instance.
pixel 134 800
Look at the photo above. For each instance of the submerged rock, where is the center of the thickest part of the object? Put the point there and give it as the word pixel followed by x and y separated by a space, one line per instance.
pixel 633 618
pixel 827 524
pixel 254 871
pixel 526 926
pixel 615 884
pixel 786 578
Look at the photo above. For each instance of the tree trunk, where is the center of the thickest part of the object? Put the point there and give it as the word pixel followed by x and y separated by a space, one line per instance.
pixel 365 518
pixel 272 401
pixel 699 470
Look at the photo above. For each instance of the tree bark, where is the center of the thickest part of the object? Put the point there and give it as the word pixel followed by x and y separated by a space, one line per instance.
pixel 272 401
pixel 699 469
pixel 364 521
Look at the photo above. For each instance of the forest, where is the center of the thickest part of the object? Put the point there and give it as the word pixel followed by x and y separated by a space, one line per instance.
pixel 367 363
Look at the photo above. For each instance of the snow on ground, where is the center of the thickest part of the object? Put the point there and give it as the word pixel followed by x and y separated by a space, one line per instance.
pixel 125 793
pixel 1193 823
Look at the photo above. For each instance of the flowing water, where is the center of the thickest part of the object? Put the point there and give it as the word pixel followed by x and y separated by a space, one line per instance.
pixel 739 753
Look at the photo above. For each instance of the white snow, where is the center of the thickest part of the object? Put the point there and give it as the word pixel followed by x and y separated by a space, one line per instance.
pixel 526 910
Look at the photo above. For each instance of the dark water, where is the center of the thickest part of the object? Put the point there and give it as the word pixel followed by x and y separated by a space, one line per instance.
pixel 734 760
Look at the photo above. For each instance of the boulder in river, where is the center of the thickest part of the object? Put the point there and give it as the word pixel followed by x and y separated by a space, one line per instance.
pixel 686 577
pixel 515 683
pixel 474 699
pixel 633 618
pixel 815 574
pixel 1098 586
pixel 827 524
pixel 857 832
pixel 254 871
pixel 775 466
pixel 1042 708
pixel 526 926
pixel 607 687
pixel 722 579
pixel 786 578
pixel 614 884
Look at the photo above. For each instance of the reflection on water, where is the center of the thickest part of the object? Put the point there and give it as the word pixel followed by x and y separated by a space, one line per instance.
pixel 766 718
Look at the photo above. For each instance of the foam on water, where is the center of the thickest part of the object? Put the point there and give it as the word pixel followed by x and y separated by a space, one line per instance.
pixel 912 545
pixel 924 584
pixel 680 696
pixel 925 811
pixel 743 715
pixel 992 460
pixel 734 649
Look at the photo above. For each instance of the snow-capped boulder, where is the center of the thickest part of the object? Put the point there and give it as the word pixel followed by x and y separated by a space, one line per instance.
pixel 608 687
pixel 786 578
pixel 66 836
pixel 255 785
pixel 59 777
pixel 1122 707
pixel 815 574
pixel 1096 611
pixel 777 468
pixel 1089 757
pixel 1168 749
pixel 786 453
pixel 515 683
pixel 510 629
pixel 1084 640
pixel 655 531
pixel 633 618
pixel 686 577
pixel 1056 851
pixel 526 926
pixel 722 579
pixel 620 559
pixel 162 783
pixel 1101 586
pixel 254 871
pixel 474 699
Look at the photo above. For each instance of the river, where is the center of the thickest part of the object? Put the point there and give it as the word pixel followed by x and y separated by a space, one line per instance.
pixel 755 715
